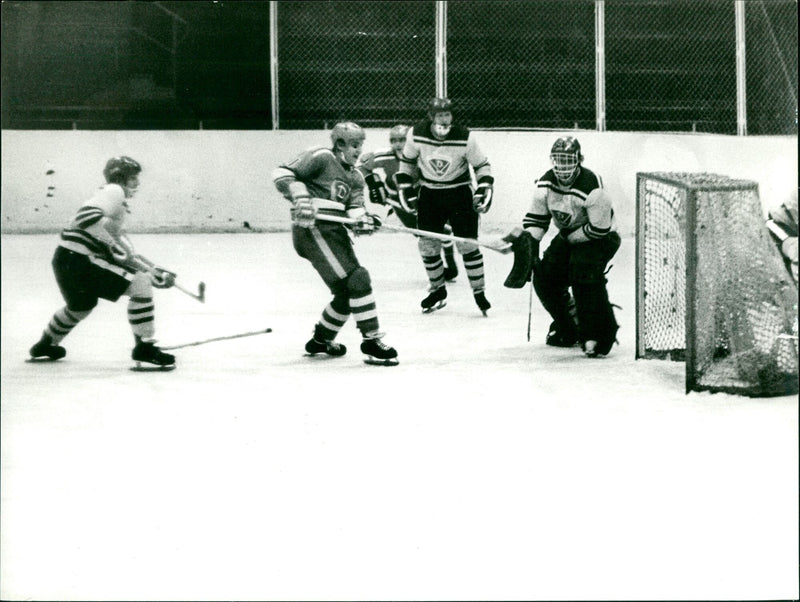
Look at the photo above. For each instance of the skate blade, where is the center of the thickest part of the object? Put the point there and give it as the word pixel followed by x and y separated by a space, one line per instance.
pixel 323 356
pixel 141 367
pixel 374 361
pixel 439 305
pixel 42 360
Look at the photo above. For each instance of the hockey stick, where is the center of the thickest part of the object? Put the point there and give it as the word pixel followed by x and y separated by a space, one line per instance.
pixel 530 309
pixel 199 296
pixel 499 246
pixel 225 338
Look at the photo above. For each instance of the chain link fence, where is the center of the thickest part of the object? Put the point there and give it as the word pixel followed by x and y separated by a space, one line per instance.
pixel 669 65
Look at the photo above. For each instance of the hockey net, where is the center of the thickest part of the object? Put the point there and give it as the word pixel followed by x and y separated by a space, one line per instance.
pixel 711 287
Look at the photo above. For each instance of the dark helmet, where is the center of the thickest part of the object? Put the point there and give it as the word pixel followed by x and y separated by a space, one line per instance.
pixel 439 105
pixel 566 157
pixel 119 169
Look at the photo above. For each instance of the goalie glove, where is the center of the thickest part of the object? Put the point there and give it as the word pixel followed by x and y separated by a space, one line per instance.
pixel 162 278
pixel 482 199
pixel 407 194
pixel 368 223
pixel 526 256
pixel 377 189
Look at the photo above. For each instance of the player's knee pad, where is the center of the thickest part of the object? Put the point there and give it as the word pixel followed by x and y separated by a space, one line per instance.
pixel 465 248
pixel 140 286
pixel 429 246
pixel 359 283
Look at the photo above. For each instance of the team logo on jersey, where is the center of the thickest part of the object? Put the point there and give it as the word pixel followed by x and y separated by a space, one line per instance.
pixel 439 166
pixel 562 219
pixel 340 191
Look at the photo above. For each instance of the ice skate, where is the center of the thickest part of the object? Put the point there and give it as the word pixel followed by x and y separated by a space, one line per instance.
pixel 483 302
pixel 590 349
pixel 435 300
pixel 149 357
pixel 378 353
pixel 315 347
pixel 558 338
pixel 45 351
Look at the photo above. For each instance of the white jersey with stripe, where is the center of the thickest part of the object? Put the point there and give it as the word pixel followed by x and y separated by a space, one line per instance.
pixel 583 205
pixel 443 163
pixel 99 223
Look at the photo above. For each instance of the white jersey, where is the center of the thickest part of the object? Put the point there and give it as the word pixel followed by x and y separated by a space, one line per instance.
pixel 99 223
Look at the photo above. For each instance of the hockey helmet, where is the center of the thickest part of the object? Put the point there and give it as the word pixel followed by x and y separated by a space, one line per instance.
pixel 345 132
pixel 566 157
pixel 119 169
pixel 439 105
pixel 398 133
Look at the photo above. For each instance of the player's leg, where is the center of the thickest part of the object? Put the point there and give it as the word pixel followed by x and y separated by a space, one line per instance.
pixel 141 317
pixel 551 283
pixel 320 245
pixel 72 272
pixel 431 217
pixel 449 252
pixel 464 222
pixel 596 321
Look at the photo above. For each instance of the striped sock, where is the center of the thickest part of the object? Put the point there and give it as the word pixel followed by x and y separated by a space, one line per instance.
pixel 62 323
pixel 141 318
pixel 435 269
pixel 473 263
pixel 333 318
pixel 365 313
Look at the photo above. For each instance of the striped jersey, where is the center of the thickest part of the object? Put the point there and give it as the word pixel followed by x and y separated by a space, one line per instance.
pixel 584 204
pixel 89 233
pixel 443 163
pixel 335 186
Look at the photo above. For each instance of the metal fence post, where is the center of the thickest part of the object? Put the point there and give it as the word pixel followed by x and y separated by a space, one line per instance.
pixel 441 48
pixel 600 63
pixel 741 78
pixel 273 62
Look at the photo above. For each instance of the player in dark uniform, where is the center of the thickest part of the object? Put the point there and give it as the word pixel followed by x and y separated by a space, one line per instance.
pixel 443 153
pixel 324 181
pixel 95 259
pixel 782 225
pixel 573 197
pixel 379 169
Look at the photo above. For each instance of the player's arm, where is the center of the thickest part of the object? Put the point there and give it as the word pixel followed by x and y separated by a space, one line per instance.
pixel 367 222
pixel 537 219
pixel 599 214
pixel 289 180
pixel 482 198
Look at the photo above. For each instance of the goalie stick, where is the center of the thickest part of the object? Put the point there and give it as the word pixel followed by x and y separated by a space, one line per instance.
pixel 500 246
pixel 215 339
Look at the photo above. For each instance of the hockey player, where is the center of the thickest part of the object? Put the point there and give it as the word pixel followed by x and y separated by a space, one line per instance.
pixel 324 181
pixel 379 169
pixel 443 153
pixel 572 196
pixel 96 259
pixel 782 224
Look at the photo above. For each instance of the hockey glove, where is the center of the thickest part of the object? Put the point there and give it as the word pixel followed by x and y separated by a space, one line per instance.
pixel 304 214
pixel 407 194
pixel 162 278
pixel 482 199
pixel 368 223
pixel 377 190
pixel 526 256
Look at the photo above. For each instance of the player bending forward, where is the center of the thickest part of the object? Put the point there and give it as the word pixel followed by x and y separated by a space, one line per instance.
pixel 379 169
pixel 444 152
pixel 95 259
pixel 320 182
pixel 572 196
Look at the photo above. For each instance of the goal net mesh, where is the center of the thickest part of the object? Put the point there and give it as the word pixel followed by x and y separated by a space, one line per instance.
pixel 711 287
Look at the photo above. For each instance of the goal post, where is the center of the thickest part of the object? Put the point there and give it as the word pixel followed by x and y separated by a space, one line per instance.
pixel 711 287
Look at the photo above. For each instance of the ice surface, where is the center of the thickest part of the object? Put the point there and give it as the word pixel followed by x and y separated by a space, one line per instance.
pixel 482 467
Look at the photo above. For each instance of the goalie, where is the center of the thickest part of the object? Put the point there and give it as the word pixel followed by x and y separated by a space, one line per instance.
pixel 573 197
pixel 95 259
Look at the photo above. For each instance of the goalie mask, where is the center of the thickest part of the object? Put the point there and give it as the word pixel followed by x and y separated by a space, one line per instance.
pixel 566 158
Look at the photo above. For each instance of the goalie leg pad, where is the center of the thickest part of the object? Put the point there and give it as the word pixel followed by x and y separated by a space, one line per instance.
pixel 526 251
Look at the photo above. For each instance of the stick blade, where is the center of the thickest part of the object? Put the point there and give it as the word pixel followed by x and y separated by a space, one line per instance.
pixel 201 292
